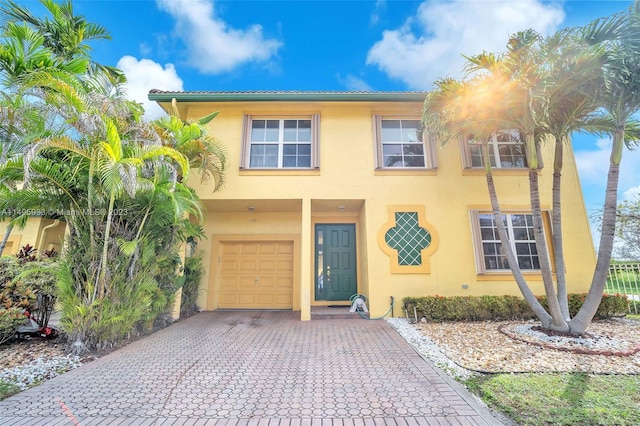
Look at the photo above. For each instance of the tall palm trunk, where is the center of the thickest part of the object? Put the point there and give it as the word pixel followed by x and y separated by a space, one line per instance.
pixel 102 284
pixel 594 296
pixel 528 295
pixel 556 224
pixel 7 233
pixel 557 319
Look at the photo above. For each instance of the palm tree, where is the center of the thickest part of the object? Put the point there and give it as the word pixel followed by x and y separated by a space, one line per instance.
pixel 618 100
pixel 118 168
pixel 204 152
pixel 35 49
pixel 94 159
pixel 523 68
pixel 478 107
pixel 568 107
pixel 65 35
pixel 554 87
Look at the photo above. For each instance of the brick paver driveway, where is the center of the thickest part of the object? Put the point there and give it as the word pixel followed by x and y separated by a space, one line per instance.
pixel 253 368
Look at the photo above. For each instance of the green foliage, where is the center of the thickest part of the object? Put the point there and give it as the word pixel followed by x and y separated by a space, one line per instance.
pixel 469 308
pixel 612 305
pixel 562 399
pixel 500 308
pixel 9 269
pixel 10 319
pixel 82 151
pixel 21 284
pixel 41 277
pixel 624 277
pixel 105 321
pixel 628 227
pixel 634 307
pixel 193 272
pixel 8 389
pixel 25 286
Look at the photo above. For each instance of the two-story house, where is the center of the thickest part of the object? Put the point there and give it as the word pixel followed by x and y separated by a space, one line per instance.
pixel 329 194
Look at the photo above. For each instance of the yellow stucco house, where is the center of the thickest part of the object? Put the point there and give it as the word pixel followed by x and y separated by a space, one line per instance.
pixel 329 194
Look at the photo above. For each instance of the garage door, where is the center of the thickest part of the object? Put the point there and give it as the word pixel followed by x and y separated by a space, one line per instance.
pixel 256 275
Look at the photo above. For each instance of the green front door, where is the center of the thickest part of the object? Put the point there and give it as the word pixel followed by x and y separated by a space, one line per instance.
pixel 335 262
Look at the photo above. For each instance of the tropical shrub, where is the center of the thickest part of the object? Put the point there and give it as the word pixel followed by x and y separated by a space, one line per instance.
pixel 27 253
pixel 193 272
pixel 612 305
pixel 40 277
pixel 81 152
pixel 25 286
pixel 500 308
pixel 10 319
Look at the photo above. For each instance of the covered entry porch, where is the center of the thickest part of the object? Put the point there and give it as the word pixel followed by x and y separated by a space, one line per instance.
pixel 283 254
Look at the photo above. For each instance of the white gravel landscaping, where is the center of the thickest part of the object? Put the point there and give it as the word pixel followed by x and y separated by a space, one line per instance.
pixel 38 370
pixel 429 349
pixel 462 349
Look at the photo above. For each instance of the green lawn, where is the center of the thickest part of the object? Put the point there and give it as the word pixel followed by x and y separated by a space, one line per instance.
pixel 562 399
pixel 7 389
pixel 623 281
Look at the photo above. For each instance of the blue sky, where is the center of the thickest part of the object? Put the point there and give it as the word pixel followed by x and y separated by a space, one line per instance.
pixel 331 45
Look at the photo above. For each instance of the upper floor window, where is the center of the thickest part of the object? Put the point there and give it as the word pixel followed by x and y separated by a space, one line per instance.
pixel 280 143
pixel 400 144
pixel 506 150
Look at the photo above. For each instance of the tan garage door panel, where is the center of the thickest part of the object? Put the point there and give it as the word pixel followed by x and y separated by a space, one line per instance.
pixel 256 275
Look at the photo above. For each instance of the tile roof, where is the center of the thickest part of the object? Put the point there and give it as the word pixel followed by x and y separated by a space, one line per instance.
pixel 268 95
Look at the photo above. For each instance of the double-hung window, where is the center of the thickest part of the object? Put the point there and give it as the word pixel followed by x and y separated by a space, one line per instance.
pixel 506 150
pixel 490 254
pixel 280 143
pixel 400 144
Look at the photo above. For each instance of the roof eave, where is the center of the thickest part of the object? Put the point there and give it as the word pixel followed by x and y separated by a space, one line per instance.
pixel 283 97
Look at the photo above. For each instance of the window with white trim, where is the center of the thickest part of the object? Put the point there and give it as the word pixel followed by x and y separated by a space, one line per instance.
pixel 506 150
pixel 400 144
pixel 490 255
pixel 280 143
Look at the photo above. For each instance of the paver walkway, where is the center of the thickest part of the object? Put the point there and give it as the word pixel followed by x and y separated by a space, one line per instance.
pixel 253 368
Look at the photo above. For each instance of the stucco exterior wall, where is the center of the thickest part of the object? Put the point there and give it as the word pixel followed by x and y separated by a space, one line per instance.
pixel 347 175
pixel 20 237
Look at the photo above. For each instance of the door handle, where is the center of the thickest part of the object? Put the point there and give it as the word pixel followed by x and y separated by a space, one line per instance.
pixel 328 272
pixel 256 281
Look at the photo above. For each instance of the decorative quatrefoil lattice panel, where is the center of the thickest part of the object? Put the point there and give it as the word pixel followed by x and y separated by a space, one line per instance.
pixel 408 239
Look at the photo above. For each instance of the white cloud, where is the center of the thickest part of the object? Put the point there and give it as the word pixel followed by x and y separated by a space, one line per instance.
pixel 352 82
pixel 632 193
pixel 593 167
pixel 380 6
pixel 144 75
pixel 214 47
pixel 429 46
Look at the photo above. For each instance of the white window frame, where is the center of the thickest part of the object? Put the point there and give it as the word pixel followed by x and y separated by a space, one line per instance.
pixel 478 240
pixel 428 149
pixel 246 145
pixel 494 145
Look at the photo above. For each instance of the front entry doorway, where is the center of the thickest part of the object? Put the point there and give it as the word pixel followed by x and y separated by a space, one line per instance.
pixel 335 258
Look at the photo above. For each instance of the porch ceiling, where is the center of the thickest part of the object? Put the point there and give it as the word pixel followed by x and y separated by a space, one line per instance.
pixel 260 206
pixel 336 206
pixel 293 205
